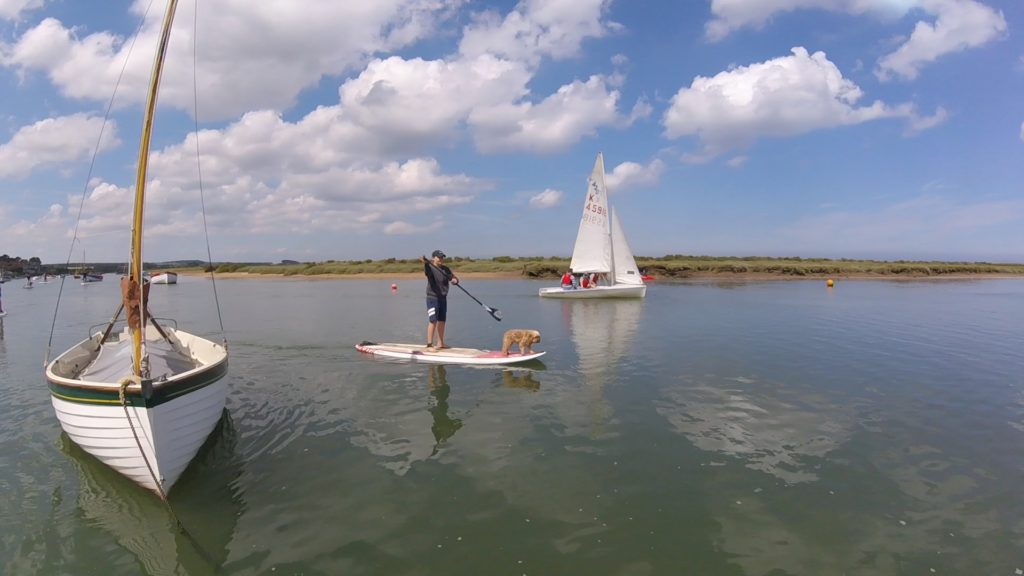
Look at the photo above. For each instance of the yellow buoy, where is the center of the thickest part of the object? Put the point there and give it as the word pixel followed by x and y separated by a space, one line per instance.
pixel 829 282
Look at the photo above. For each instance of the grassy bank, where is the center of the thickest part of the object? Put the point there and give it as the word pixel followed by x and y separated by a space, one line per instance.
pixel 666 267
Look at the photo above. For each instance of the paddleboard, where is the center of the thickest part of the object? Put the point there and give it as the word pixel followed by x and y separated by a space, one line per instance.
pixel 419 353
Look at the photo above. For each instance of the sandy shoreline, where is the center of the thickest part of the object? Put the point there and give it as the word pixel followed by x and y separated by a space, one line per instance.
pixel 700 276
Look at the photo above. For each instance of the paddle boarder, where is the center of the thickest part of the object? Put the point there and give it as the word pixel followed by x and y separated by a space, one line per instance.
pixel 438 278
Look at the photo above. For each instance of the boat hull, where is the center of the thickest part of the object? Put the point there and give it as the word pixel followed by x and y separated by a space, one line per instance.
pixel 170 424
pixel 164 278
pixel 615 291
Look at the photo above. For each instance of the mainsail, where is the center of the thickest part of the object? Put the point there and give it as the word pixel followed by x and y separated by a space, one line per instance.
pixel 593 249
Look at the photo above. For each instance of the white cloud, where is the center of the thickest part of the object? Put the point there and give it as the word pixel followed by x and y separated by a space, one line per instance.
pixel 554 124
pixel 12 9
pixel 547 199
pixel 959 25
pixel 406 229
pixel 736 161
pixel 264 174
pixel 917 124
pixel 784 96
pixel 536 29
pixel 251 55
pixel 731 15
pixel 629 175
pixel 398 105
pixel 52 142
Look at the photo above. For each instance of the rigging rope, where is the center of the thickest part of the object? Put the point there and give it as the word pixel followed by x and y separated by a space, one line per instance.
pixel 199 170
pixel 122 386
pixel 88 179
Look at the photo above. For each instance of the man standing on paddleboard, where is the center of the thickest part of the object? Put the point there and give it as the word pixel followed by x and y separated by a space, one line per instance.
pixel 438 277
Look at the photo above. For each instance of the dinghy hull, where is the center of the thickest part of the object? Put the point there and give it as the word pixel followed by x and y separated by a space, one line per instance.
pixel 615 291
pixel 170 422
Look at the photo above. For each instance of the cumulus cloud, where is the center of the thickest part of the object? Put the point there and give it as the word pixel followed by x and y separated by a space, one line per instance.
pixel 917 124
pixel 267 174
pixel 560 120
pixel 731 15
pixel 397 105
pixel 547 199
pixel 784 96
pixel 629 175
pixel 12 9
pixel 251 55
pixel 958 25
pixel 405 228
pixel 53 142
pixel 534 30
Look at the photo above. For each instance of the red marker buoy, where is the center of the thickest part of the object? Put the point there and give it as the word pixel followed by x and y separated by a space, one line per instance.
pixel 394 286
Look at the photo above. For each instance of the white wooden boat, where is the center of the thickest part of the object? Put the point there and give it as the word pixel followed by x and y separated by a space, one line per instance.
pixel 601 249
pixel 164 278
pixel 144 399
pixel 91 277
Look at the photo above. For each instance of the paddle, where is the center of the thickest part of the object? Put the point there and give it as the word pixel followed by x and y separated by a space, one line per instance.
pixel 494 312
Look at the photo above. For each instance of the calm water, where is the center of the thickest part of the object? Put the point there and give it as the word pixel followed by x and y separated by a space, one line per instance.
pixel 765 428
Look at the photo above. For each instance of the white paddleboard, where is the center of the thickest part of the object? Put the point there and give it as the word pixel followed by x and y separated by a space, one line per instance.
pixel 419 353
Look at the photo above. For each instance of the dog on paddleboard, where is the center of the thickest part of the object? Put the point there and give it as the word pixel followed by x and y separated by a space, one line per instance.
pixel 524 339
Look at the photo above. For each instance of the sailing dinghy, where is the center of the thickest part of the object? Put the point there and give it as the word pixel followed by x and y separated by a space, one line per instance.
pixel 601 248
pixel 142 400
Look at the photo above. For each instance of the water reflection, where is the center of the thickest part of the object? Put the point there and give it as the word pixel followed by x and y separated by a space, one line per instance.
pixel 782 429
pixel 524 379
pixel 205 501
pixel 444 426
pixel 603 332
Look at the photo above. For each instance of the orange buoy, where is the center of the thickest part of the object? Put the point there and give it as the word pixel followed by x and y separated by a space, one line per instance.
pixel 829 283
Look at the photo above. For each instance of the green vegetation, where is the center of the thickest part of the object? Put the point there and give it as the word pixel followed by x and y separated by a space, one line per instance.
pixel 666 267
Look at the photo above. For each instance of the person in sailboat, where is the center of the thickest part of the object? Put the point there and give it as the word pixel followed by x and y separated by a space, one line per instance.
pixel 439 277
pixel 567 280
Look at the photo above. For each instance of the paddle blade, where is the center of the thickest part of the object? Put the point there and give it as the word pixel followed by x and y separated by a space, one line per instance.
pixel 495 313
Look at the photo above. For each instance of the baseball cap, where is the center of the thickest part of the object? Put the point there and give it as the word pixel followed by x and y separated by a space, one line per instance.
pixel 438 254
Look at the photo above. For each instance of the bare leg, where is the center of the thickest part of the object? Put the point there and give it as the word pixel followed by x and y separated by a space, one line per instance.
pixel 440 334
pixel 430 333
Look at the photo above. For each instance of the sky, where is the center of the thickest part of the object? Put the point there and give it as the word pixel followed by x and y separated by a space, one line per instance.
pixel 325 130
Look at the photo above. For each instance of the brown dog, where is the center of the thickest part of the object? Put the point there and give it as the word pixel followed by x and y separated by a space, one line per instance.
pixel 522 338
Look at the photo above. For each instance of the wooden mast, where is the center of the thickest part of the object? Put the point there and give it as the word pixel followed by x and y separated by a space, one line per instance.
pixel 135 265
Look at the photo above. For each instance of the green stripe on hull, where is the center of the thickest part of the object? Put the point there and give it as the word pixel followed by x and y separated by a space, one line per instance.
pixel 161 393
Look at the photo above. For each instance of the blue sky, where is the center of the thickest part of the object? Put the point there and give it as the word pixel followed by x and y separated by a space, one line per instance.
pixel 889 129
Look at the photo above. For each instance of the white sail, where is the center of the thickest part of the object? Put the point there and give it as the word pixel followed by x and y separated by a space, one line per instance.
pixel 626 271
pixel 593 249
